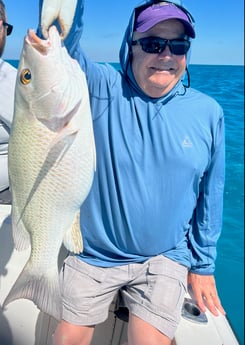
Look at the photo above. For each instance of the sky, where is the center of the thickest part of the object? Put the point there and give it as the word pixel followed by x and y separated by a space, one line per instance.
pixel 219 29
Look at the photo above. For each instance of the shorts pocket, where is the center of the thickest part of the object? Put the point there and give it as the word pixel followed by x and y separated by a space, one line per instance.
pixel 81 283
pixel 166 287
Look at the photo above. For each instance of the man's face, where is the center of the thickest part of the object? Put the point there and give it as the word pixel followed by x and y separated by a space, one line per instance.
pixel 3 34
pixel 157 74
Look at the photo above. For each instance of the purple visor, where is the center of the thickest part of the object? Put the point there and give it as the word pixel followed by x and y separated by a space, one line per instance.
pixel 157 13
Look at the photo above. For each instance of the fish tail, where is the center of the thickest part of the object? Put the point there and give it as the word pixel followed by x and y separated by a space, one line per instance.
pixel 42 289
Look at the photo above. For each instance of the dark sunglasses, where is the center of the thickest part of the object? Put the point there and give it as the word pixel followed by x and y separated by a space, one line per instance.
pixel 9 28
pixel 156 45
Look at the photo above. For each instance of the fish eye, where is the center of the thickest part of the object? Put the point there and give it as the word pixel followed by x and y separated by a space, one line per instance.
pixel 25 76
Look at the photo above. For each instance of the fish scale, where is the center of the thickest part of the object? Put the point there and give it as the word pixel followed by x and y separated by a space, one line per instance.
pixel 52 162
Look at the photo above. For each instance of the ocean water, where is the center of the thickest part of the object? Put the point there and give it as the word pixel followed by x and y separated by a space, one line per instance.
pixel 226 85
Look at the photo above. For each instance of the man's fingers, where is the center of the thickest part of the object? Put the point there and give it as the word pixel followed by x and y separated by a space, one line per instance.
pixel 61 10
pixel 50 12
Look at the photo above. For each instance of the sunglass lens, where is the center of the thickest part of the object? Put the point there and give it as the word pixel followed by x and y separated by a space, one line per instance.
pixel 9 29
pixel 179 47
pixel 156 45
pixel 153 46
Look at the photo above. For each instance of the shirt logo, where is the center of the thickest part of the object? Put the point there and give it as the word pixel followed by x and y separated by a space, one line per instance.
pixel 187 142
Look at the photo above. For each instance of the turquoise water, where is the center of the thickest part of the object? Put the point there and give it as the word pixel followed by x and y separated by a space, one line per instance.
pixel 226 85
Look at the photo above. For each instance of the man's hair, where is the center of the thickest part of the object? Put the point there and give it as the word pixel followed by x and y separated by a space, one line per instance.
pixel 2 11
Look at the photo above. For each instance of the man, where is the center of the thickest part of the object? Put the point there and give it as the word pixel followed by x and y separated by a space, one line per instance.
pixel 7 84
pixel 154 213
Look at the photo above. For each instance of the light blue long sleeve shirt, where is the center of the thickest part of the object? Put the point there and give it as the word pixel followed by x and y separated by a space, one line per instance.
pixel 7 86
pixel 158 187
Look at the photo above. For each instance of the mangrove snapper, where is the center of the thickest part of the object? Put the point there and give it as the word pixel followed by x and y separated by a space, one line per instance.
pixel 51 164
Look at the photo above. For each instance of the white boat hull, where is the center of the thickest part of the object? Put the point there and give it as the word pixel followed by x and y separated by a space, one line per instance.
pixel 217 331
pixel 23 324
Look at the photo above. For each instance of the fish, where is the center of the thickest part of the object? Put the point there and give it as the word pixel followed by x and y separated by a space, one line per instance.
pixel 61 10
pixel 52 161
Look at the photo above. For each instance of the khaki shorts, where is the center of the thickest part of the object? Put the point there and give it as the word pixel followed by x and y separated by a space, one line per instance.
pixel 154 291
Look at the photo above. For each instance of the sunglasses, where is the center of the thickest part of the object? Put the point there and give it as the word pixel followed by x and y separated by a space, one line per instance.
pixel 9 28
pixel 156 45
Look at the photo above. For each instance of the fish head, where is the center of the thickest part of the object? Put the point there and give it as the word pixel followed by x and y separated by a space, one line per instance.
pixel 45 78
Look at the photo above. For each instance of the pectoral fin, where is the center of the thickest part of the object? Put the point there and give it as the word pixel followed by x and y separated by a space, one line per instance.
pixel 73 237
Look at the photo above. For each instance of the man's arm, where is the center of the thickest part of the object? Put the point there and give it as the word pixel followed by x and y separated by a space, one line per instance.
pixel 206 227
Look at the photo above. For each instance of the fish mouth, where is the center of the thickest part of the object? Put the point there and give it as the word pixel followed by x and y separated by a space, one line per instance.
pixel 41 45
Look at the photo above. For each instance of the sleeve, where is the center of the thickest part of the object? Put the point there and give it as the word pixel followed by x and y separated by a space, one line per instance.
pixel 206 223
pixel 72 41
pixel 7 87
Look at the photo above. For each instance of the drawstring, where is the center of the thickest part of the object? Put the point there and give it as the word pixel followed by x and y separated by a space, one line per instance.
pixel 188 79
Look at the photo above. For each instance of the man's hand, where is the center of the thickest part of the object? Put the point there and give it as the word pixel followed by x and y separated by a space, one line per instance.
pixel 205 293
pixel 62 10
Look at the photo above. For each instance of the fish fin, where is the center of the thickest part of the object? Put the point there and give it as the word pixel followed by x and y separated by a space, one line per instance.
pixel 41 288
pixel 66 135
pixel 66 132
pixel 73 238
pixel 21 236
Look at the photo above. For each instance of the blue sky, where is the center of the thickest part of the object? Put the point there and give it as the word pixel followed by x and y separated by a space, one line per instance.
pixel 219 28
